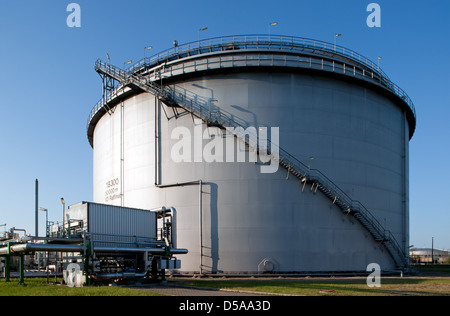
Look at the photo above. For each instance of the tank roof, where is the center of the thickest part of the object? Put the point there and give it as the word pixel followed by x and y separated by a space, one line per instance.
pixel 279 51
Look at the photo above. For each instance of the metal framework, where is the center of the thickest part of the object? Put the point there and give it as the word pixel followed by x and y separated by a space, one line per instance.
pixel 100 257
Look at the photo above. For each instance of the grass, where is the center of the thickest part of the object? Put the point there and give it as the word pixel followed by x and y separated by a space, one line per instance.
pixel 39 287
pixel 431 281
pixel 334 287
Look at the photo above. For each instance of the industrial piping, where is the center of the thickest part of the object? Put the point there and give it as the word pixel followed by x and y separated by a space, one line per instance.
pixel 24 248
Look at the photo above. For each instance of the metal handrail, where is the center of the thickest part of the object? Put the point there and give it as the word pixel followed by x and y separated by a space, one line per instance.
pixel 101 103
pixel 324 65
pixel 318 63
pixel 268 42
pixel 260 42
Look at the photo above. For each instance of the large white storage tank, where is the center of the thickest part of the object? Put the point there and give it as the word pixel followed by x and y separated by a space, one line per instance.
pixel 338 115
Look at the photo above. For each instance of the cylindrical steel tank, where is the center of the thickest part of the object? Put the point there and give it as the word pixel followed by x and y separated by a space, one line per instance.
pixel 337 113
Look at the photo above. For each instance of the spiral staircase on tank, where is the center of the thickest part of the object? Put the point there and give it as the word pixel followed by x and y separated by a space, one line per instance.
pixel 172 96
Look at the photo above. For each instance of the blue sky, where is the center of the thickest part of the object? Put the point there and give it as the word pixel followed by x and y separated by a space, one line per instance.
pixel 48 84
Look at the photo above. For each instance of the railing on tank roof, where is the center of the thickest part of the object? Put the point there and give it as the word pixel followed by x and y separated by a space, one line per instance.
pixel 273 43
pixel 263 42
pixel 202 108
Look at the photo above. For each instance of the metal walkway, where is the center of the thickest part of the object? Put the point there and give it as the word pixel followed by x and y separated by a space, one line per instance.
pixel 173 96
pixel 251 51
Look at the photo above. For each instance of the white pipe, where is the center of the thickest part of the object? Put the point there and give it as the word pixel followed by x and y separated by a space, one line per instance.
pixel 36 247
pixel 162 211
pixel 20 248
pixel 151 250
pixel 159 210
